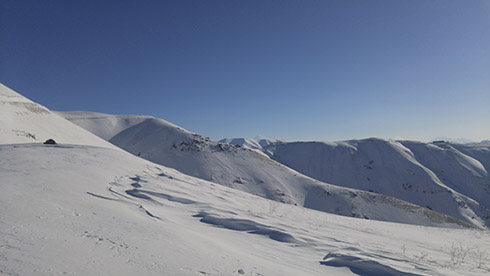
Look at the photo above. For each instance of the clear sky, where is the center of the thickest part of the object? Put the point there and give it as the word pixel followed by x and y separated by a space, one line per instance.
pixel 293 70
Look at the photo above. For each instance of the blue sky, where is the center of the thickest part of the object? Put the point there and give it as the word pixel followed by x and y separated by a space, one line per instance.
pixel 293 70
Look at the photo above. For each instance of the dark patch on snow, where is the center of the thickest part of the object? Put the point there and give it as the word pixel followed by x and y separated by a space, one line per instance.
pixel 137 178
pixel 362 267
pixel 138 194
pixel 249 226
pixel 50 142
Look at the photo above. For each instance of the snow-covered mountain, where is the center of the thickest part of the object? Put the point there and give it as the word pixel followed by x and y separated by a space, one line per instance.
pixel 89 209
pixel 449 178
pixel 244 169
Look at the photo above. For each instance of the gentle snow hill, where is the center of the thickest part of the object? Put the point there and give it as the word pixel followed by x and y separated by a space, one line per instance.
pixel 247 170
pixel 82 210
pixel 449 178
pixel 23 121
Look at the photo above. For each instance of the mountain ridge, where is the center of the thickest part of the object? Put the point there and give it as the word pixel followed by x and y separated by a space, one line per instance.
pixel 248 170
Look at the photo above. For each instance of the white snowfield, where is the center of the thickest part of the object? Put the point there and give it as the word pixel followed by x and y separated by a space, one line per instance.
pixel 247 170
pixel 83 209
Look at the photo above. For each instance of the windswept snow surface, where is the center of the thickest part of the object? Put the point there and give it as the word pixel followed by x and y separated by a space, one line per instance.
pixel 247 170
pixel 83 210
pixel 23 121
pixel 448 178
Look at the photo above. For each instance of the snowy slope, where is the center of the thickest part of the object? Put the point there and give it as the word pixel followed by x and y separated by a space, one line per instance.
pixel 459 171
pixel 23 121
pixel 247 170
pixel 82 210
pixel 437 176
pixel 479 151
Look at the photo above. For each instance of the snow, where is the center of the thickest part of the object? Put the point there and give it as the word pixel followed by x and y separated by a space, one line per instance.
pixel 89 208
pixel 66 210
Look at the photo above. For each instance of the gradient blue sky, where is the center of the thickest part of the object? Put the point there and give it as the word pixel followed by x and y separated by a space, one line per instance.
pixel 293 70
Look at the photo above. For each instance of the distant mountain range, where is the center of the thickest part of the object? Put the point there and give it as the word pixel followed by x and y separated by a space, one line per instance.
pixel 458 187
